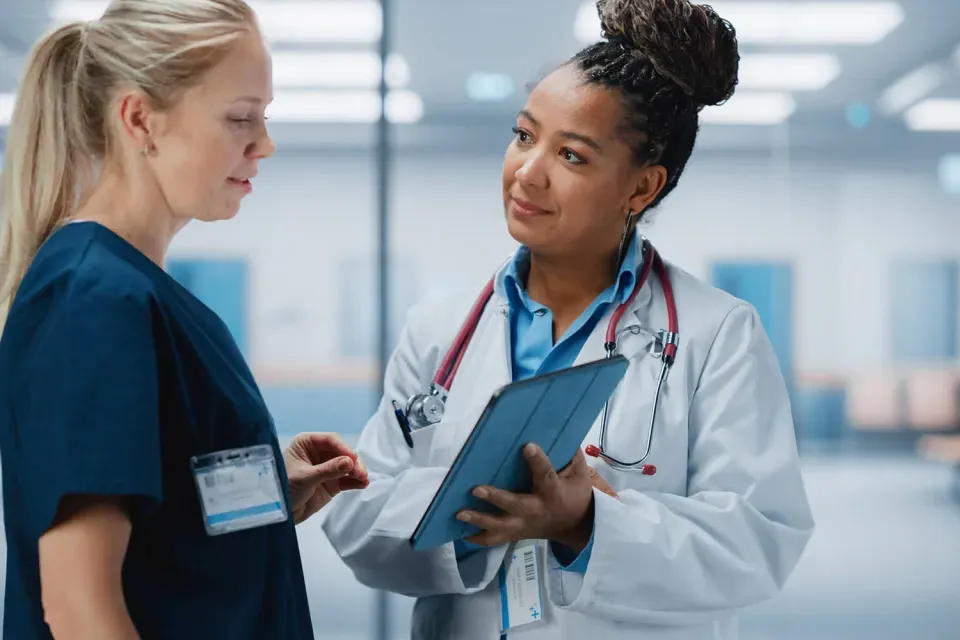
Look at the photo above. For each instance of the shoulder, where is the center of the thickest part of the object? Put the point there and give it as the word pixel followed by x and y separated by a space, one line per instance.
pixel 74 280
pixel 73 268
pixel 437 318
pixel 705 312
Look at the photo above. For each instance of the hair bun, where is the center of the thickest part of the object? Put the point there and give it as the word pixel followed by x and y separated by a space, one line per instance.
pixel 686 43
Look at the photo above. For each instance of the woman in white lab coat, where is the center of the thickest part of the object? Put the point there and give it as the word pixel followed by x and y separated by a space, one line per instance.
pixel 723 521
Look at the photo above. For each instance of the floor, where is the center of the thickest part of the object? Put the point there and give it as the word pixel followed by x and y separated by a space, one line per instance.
pixel 884 563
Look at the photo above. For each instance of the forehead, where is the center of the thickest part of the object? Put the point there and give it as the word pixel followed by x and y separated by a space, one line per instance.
pixel 563 101
pixel 245 71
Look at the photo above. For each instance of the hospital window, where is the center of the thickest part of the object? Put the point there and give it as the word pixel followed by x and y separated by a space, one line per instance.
pixel 222 285
pixel 925 297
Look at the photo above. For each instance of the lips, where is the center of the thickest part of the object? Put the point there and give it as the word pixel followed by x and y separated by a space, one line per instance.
pixel 241 183
pixel 527 208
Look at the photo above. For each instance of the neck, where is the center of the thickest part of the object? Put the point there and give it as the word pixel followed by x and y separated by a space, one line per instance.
pixel 568 285
pixel 139 215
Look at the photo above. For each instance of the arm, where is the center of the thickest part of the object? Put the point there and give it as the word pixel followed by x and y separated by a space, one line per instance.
pixel 94 449
pixel 735 539
pixel 81 560
pixel 370 529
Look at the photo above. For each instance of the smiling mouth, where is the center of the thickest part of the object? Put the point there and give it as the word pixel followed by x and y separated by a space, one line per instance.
pixel 527 208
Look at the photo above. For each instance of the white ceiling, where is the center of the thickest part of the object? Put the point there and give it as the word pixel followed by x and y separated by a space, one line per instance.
pixel 444 42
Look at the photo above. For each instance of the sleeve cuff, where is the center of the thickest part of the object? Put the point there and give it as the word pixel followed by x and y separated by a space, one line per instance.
pixel 464 548
pixel 566 560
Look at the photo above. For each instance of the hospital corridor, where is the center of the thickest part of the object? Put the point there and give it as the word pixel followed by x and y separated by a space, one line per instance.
pixel 416 151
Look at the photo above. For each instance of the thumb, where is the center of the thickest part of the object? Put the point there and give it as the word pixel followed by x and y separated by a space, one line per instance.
pixel 332 469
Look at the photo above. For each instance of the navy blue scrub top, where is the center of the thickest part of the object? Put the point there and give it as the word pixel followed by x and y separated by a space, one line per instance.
pixel 113 377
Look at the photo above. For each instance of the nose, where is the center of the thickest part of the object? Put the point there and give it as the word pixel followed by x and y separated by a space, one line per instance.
pixel 533 171
pixel 262 147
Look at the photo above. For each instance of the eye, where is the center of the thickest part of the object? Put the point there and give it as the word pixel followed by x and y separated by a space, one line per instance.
pixel 523 137
pixel 571 157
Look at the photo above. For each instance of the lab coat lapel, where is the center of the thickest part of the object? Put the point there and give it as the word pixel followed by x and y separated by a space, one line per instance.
pixel 484 369
pixel 630 346
pixel 633 347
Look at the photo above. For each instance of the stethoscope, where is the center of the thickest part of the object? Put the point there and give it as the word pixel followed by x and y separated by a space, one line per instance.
pixel 426 409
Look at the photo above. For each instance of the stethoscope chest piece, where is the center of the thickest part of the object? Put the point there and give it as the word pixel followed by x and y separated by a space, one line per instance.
pixel 426 409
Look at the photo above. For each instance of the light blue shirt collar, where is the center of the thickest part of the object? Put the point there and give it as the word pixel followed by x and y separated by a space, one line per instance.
pixel 511 281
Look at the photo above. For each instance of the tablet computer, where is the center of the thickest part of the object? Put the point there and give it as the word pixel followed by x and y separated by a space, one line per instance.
pixel 554 411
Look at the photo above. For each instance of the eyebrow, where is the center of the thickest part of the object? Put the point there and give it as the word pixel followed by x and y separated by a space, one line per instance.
pixel 570 135
pixel 253 99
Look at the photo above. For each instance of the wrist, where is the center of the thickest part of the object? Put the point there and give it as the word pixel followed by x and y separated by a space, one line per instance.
pixel 578 537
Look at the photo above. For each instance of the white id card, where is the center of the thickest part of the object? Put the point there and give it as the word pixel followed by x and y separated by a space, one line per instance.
pixel 239 489
pixel 520 602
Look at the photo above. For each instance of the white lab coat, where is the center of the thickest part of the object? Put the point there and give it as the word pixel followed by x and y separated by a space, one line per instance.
pixel 720 526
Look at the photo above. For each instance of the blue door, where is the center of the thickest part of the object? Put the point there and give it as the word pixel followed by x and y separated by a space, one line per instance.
pixel 223 286
pixel 768 286
pixel 924 311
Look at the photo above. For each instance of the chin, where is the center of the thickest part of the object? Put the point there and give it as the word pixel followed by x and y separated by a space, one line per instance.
pixel 524 234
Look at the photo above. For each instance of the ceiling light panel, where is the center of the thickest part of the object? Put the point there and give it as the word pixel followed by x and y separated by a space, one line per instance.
pixel 786 22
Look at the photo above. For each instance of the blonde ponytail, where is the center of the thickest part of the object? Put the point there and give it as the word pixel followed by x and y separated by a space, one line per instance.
pixel 41 165
pixel 59 134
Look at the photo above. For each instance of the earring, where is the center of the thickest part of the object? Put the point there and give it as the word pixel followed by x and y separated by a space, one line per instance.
pixel 146 150
pixel 622 251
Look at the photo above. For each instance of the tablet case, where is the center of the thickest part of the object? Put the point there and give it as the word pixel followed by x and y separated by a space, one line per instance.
pixel 554 410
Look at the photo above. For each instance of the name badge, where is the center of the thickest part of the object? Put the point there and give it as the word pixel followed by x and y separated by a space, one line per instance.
pixel 239 489
pixel 520 602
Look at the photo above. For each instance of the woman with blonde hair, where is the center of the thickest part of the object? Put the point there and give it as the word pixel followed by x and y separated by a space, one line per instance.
pixel 145 492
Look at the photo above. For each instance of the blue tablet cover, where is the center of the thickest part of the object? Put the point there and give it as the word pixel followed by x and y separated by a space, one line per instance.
pixel 553 410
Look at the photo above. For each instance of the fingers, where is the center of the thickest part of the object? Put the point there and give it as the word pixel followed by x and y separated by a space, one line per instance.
pixel 544 476
pixel 317 501
pixel 577 465
pixel 601 484
pixel 497 530
pixel 359 472
pixel 505 500
pixel 326 443
pixel 333 469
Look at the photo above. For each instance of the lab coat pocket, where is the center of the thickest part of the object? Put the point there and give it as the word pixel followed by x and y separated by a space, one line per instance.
pixel 431 445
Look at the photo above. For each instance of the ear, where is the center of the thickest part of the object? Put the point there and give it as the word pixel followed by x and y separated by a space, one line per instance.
pixel 650 181
pixel 138 119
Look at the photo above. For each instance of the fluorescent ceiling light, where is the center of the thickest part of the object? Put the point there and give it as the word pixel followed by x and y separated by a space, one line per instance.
pixel 751 109
pixel 489 87
pixel 304 107
pixel 7 101
pixel 787 71
pixel 934 115
pixel 787 21
pixel 336 69
pixel 344 21
pixel 912 87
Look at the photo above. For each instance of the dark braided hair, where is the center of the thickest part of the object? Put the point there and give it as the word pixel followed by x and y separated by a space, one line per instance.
pixel 666 59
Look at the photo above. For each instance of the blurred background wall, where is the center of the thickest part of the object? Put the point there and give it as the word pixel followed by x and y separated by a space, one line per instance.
pixel 825 193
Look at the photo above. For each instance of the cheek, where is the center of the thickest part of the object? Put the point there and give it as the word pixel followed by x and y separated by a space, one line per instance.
pixel 585 202
pixel 194 173
pixel 511 164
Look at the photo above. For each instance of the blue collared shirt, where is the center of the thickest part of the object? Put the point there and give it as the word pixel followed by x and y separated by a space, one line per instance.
pixel 534 351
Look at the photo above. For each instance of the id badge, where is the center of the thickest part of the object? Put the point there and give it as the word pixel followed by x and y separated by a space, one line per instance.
pixel 520 602
pixel 239 489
